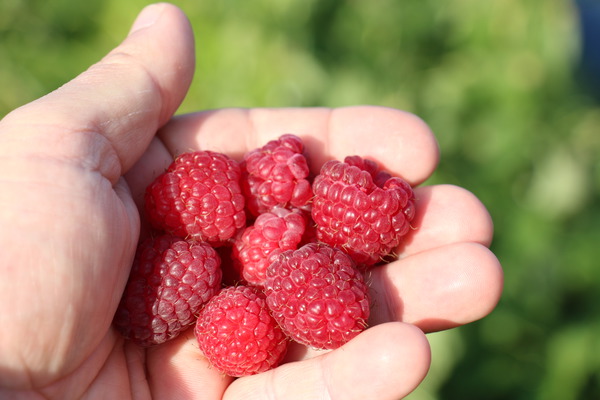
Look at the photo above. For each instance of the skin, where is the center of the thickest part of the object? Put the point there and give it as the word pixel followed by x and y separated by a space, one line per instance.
pixel 74 167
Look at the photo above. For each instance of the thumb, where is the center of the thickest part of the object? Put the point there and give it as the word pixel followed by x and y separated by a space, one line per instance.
pixel 70 241
pixel 110 112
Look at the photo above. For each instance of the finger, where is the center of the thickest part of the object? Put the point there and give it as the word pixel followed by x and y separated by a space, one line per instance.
pixel 446 214
pixel 438 289
pixel 106 117
pixel 384 362
pixel 152 163
pixel 178 370
pixel 57 203
pixel 399 141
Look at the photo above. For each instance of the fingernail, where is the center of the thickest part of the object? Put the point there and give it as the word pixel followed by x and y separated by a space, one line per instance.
pixel 148 16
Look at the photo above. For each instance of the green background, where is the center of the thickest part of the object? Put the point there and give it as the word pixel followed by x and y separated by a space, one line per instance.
pixel 495 80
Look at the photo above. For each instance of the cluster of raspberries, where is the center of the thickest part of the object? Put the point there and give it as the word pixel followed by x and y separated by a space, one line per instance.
pixel 257 253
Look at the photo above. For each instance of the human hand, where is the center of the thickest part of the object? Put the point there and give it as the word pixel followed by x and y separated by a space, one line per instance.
pixel 75 162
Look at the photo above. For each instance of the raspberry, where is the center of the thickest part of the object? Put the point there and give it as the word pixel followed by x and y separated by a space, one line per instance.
pixel 170 280
pixel 272 233
pixel 361 210
pixel 317 295
pixel 238 335
pixel 199 196
pixel 310 232
pixel 276 175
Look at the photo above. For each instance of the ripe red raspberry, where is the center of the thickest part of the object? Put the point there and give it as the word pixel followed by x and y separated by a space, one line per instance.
pixel 272 233
pixel 361 210
pixel 199 196
pixel 276 175
pixel 317 295
pixel 170 280
pixel 237 333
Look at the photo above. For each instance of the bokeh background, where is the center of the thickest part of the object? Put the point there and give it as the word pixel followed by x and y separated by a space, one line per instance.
pixel 510 90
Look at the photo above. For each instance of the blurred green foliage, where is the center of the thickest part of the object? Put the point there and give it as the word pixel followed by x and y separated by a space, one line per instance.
pixel 496 82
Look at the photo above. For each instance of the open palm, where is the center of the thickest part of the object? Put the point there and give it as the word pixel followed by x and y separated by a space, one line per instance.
pixel 74 165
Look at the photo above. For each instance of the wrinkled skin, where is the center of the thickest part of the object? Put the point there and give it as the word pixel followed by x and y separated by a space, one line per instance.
pixel 74 166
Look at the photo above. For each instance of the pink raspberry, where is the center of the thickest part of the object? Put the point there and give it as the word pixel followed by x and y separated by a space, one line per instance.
pixel 361 210
pixel 237 333
pixel 199 196
pixel 317 295
pixel 276 175
pixel 170 280
pixel 272 233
